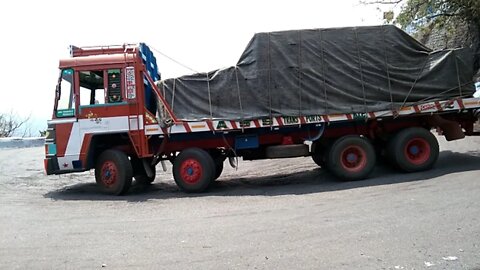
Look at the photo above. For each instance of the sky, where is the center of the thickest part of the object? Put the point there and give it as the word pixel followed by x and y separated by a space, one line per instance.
pixel 203 35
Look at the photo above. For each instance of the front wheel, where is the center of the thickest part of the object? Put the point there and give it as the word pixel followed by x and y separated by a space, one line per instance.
pixel 351 158
pixel 113 172
pixel 413 149
pixel 193 170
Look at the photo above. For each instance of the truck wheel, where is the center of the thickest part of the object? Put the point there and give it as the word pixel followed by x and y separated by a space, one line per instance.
pixel 139 172
pixel 193 170
pixel 318 159
pixel 351 158
pixel 113 172
pixel 218 168
pixel 413 149
pixel 320 155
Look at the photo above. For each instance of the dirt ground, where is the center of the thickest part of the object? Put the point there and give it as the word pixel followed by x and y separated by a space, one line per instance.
pixel 273 214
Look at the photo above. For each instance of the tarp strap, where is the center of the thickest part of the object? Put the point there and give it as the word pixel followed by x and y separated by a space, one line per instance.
pixel 387 68
pixel 357 45
pixel 209 97
pixel 239 95
pixel 441 93
pixel 323 71
pixel 161 107
pixel 415 82
pixel 269 81
pixel 458 75
pixel 459 86
pixel 299 60
pixel 173 92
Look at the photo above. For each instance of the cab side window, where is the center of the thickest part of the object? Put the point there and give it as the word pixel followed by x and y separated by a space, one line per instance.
pixel 92 88
pixel 100 87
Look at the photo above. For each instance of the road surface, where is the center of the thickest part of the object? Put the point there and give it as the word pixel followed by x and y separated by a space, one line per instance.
pixel 273 214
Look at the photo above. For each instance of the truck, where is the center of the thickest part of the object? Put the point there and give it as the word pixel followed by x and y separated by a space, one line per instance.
pixel 347 97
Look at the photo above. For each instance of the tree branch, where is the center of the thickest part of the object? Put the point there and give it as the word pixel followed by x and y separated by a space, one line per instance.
pixel 441 15
pixel 9 123
pixel 383 2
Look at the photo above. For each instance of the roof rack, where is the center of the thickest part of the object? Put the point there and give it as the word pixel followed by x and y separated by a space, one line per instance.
pixel 97 50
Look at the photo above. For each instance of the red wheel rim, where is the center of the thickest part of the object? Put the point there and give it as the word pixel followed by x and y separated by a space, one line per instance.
pixel 109 173
pixel 417 151
pixel 191 171
pixel 353 158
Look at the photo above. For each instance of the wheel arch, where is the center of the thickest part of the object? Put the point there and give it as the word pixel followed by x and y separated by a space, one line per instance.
pixel 98 143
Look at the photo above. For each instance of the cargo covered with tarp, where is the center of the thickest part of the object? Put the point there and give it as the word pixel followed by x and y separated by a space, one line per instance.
pixel 323 71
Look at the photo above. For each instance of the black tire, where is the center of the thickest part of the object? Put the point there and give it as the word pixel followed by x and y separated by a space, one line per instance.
pixel 218 159
pixel 319 154
pixel 193 170
pixel 139 172
pixel 413 149
pixel 113 172
pixel 351 158
pixel 218 169
pixel 318 158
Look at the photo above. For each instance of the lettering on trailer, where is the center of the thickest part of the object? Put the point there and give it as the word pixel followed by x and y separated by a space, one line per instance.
pixel 359 116
pixel 426 107
pixel 267 122
pixel 290 120
pixel 245 123
pixel 130 82
pixel 221 125
pixel 313 119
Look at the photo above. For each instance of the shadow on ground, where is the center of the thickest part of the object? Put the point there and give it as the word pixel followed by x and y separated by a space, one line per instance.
pixel 311 181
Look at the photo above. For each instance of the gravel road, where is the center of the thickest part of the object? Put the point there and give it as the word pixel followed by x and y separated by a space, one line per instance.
pixel 273 214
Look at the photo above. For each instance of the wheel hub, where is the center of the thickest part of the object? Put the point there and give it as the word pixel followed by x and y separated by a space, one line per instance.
pixel 414 150
pixel 417 151
pixel 109 173
pixel 191 171
pixel 353 158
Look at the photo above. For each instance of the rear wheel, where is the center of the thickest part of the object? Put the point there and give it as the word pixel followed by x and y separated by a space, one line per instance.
pixel 139 172
pixel 413 149
pixel 193 170
pixel 218 168
pixel 351 158
pixel 319 154
pixel 218 157
pixel 113 172
pixel 318 159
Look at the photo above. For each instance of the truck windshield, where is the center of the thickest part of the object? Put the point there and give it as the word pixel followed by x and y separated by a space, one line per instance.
pixel 64 103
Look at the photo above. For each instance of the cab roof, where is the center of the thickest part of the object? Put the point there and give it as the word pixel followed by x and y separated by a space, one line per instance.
pixel 93 60
pixel 99 55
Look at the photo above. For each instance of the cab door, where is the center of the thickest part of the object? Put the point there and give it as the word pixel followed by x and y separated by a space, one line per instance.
pixel 62 132
pixel 102 106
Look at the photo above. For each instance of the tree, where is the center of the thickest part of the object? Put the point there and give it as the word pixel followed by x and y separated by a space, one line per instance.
pixel 421 17
pixel 10 124
pixel 415 14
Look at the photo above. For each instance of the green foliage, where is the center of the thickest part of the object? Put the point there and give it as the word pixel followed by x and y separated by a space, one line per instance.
pixel 455 18
pixel 416 14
